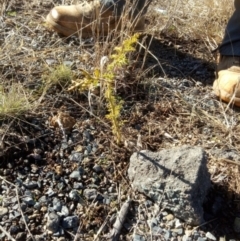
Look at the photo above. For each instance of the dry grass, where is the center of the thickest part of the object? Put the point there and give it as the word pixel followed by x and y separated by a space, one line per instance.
pixel 201 20
pixel 15 100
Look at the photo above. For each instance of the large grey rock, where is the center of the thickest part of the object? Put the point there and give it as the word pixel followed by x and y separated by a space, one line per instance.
pixel 177 179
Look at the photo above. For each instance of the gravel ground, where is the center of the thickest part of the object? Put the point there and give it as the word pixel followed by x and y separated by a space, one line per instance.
pixel 70 186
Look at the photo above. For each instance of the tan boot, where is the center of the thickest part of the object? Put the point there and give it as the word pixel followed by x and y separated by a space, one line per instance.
pixel 85 20
pixel 227 84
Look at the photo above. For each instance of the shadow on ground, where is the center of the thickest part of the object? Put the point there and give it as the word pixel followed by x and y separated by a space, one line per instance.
pixel 179 60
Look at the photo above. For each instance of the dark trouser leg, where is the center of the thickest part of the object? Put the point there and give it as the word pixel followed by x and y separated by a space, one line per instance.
pixel 231 42
pixel 138 7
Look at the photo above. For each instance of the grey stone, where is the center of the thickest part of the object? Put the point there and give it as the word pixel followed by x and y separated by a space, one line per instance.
pixel 53 222
pixel 65 211
pixel 167 235
pixel 70 222
pixel 75 175
pixel 31 184
pixel 201 239
pixel 90 194
pixel 74 195
pixel 77 185
pixel 50 192
pixel 28 200
pixel 177 177
pixel 21 236
pixel 210 236
pixel 76 156
pixel 57 206
pixel 43 200
pixel 137 237
pixel 3 211
pixel 97 168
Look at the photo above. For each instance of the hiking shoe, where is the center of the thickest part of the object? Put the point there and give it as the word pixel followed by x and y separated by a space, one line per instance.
pixel 86 19
pixel 227 84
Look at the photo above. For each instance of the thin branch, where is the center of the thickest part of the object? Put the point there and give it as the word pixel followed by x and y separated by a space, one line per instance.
pixel 117 226
pixel 7 234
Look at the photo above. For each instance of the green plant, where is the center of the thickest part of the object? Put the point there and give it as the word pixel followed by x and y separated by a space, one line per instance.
pixel 107 77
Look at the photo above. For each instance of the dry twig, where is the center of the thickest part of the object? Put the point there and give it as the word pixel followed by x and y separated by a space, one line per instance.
pixel 117 226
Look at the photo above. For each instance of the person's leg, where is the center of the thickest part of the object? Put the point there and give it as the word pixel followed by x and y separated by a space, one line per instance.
pixel 99 16
pixel 226 86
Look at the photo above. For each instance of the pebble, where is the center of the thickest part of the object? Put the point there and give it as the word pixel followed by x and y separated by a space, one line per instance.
pixel 3 211
pixel 21 236
pixel 28 200
pixel 97 168
pixel 90 194
pixel 74 195
pixel 210 236
pixel 57 206
pixel 77 185
pixel 53 222
pixel 31 184
pixel 50 192
pixel 167 235
pixel 137 237
pixel 178 224
pixel 76 157
pixel 201 239
pixel 169 217
pixel 70 222
pixel 64 211
pixel 75 175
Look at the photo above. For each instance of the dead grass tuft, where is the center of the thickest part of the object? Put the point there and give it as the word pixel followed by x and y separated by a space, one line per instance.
pixel 201 20
pixel 15 100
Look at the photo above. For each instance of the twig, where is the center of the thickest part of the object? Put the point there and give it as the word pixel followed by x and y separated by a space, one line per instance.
pixel 7 234
pixel 117 226
pixel 101 228
pixel 19 205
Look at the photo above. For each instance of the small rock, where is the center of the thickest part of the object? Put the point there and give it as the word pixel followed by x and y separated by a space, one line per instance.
pixel 14 229
pixel 178 224
pixel 74 195
pixel 210 236
pixel 65 211
pixel 179 231
pixel 53 222
pixel 201 239
pixel 21 236
pixel 156 230
pixel 97 168
pixel 76 157
pixel 137 237
pixel 77 185
pixel 29 201
pixel 30 184
pixel 57 206
pixel 169 217
pixel 3 211
pixel 43 200
pixel 90 194
pixel 50 192
pixel 75 175
pixel 70 222
pixel 167 235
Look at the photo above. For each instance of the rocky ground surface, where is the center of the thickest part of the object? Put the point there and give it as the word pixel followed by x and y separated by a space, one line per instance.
pixel 70 186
